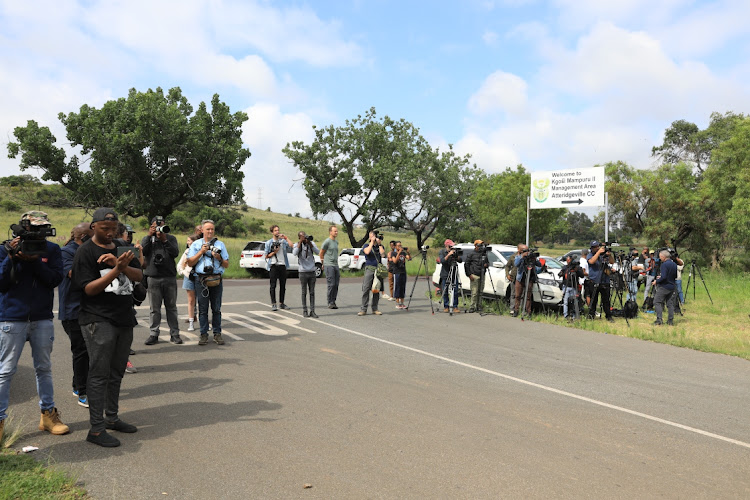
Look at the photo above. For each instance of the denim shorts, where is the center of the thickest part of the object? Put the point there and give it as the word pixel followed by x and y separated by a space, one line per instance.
pixel 188 284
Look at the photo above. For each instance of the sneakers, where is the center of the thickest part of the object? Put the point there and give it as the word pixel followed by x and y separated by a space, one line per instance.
pixel 175 339
pixel 75 392
pixel 120 426
pixel 103 439
pixel 50 422
pixel 377 313
pixel 390 298
pixel 330 306
pixel 129 368
pixel 313 315
pixel 274 308
pixel 284 306
pixel 132 352
pixel 361 313
pixel 191 325
pixel 151 340
pixel 305 314
pixel 203 340
pixel 334 306
pixel 83 401
pixel 218 339
pixel 386 296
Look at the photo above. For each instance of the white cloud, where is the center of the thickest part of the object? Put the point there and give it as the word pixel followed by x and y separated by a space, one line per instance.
pixel 490 38
pixel 501 91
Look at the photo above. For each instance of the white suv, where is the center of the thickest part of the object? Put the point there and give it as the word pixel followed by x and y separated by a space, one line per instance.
pixel 253 258
pixel 498 258
pixel 354 259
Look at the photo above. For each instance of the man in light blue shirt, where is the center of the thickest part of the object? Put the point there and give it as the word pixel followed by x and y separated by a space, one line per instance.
pixel 208 257
pixel 277 264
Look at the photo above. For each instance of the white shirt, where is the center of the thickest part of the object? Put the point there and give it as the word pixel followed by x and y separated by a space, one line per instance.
pixel 585 267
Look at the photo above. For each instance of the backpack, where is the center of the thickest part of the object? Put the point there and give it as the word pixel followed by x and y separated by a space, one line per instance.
pixel 648 304
pixel 630 309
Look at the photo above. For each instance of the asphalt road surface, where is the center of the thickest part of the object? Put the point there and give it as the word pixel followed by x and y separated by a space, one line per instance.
pixel 405 405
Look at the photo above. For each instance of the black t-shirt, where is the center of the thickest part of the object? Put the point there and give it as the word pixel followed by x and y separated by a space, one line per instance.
pixel 398 267
pixel 115 303
pixel 154 250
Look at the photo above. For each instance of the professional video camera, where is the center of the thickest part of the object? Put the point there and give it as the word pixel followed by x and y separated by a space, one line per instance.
pixel 482 248
pixel 530 256
pixel 160 226
pixel 672 252
pixel 33 238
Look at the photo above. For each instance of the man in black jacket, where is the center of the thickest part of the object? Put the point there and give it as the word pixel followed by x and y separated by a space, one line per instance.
pixel 474 269
pixel 160 250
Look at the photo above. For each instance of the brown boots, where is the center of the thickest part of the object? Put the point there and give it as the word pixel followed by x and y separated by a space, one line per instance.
pixel 51 423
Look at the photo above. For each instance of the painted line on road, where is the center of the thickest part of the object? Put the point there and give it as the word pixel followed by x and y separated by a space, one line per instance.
pixel 536 385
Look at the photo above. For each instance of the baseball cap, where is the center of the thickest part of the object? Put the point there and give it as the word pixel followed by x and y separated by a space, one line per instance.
pixel 594 244
pixel 104 213
pixel 36 218
pixel 478 242
pixel 449 242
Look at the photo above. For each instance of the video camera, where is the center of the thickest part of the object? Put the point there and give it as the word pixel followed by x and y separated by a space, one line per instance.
pixel 33 242
pixel 672 252
pixel 482 248
pixel 160 226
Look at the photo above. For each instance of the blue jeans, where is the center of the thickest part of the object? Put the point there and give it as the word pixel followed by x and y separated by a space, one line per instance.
pixel 633 290
pixel 209 295
pixel 13 336
pixel 567 293
pixel 446 295
pixel 333 275
pixel 678 283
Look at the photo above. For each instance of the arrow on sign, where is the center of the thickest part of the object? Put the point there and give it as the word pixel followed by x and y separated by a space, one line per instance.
pixel 572 202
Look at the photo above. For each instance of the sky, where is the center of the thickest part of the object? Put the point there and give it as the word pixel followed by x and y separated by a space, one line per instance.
pixel 552 85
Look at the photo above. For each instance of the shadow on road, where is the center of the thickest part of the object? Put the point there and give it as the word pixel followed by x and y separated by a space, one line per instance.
pixel 184 386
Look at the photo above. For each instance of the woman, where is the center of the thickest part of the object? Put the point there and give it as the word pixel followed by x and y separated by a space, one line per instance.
pixel 187 283
pixel 398 258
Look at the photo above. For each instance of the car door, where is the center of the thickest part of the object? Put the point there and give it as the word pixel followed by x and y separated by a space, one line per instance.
pixel 495 282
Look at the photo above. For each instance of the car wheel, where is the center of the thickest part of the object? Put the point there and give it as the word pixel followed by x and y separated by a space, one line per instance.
pixel 318 270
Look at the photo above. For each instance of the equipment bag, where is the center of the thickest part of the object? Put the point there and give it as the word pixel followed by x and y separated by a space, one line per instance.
pixel 630 309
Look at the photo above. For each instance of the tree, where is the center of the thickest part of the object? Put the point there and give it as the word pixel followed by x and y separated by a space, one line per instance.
pixel 20 180
pixel 351 170
pixel 146 154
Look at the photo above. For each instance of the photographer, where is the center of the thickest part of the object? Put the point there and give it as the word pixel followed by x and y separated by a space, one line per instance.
pixel 188 283
pixel 599 259
pixel 69 305
pixel 107 320
pixel 305 251
pixel 665 287
pixel 208 257
pixel 277 264
pixel 448 259
pixel 474 267
pixel 510 275
pixel 572 275
pixel 329 254
pixel 398 258
pixel 160 249
pixel 525 262
pixel 650 270
pixel 389 265
pixel 636 268
pixel 373 252
pixel 30 269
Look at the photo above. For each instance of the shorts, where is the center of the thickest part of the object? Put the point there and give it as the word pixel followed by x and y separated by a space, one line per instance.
pixel 188 284
pixel 588 288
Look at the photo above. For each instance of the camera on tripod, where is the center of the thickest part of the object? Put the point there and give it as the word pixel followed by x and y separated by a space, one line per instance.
pixel 33 242
pixel 482 248
pixel 672 252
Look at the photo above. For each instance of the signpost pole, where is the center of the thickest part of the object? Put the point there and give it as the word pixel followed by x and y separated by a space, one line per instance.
pixel 606 217
pixel 528 209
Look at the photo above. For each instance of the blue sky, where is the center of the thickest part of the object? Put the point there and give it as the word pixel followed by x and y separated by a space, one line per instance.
pixel 551 84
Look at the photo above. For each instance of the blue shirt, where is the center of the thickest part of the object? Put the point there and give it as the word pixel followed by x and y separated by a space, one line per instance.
pixel 69 300
pixel 595 270
pixel 207 259
pixel 373 258
pixel 31 296
pixel 668 275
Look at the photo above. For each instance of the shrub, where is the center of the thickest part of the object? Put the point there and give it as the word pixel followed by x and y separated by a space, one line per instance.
pixel 10 206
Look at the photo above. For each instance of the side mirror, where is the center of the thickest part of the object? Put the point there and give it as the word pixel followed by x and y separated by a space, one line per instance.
pixel 498 265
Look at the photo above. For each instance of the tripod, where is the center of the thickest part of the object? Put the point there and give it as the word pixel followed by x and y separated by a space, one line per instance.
pixel 450 285
pixel 571 282
pixel 531 270
pixel 606 270
pixel 422 262
pixel 486 270
pixel 694 268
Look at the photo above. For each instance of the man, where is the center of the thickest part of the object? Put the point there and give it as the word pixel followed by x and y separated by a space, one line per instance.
pixel 209 258
pixel 305 250
pixel 510 275
pixel 665 288
pixel 329 256
pixel 107 320
pixel 124 238
pixel 599 260
pixel 277 264
pixel 636 267
pixel 160 249
pixel 69 305
pixel 398 258
pixel 520 263
pixel 475 271
pixel 448 260
pixel 571 275
pixel 27 284
pixel 649 270
pixel 588 285
pixel 392 244
pixel 373 251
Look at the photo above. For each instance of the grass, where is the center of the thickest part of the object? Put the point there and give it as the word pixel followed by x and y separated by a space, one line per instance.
pixel 22 477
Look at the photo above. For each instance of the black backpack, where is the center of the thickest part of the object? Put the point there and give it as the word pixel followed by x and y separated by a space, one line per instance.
pixel 630 309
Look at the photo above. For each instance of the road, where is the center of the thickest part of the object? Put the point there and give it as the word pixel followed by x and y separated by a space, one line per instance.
pixel 409 404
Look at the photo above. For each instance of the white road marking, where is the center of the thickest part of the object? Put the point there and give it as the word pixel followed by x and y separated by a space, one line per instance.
pixel 538 386
pixel 261 327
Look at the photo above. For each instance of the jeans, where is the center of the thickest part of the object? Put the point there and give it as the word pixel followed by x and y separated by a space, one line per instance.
pixel 109 348
pixel 678 284
pixel 602 289
pixel 333 275
pixel 633 290
pixel 367 287
pixel 307 280
pixel 569 292
pixel 163 290
pixel 13 336
pixel 649 282
pixel 660 296
pixel 80 355
pixel 399 285
pixel 445 287
pixel 209 295
pixel 277 273
pixel 512 285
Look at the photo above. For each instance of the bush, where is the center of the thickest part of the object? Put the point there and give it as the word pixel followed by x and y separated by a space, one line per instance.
pixel 10 206
pixel 55 196
pixel 256 226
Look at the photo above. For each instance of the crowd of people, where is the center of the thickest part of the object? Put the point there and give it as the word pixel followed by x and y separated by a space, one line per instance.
pixel 102 275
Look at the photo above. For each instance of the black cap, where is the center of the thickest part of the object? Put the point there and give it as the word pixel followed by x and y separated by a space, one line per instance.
pixel 104 213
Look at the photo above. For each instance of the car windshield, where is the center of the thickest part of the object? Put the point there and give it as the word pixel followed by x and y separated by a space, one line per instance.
pixel 552 263
pixel 255 245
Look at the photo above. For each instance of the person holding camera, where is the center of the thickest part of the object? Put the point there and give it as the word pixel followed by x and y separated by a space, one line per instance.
pixel 474 267
pixel 373 252
pixel 449 259
pixel 277 264
pixel 636 264
pixel 389 265
pixel 526 262
pixel 30 270
pixel 208 257
pixel 104 270
pixel 600 258
pixel 572 275
pixel 305 250
pixel 329 255
pixel 665 287
pixel 398 258
pixel 160 249
pixel 188 284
